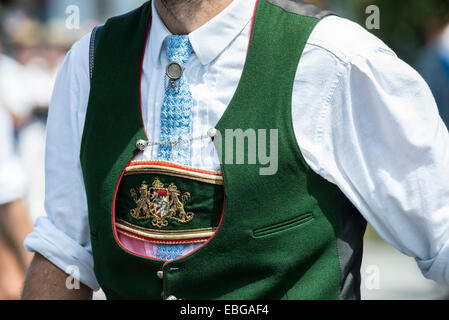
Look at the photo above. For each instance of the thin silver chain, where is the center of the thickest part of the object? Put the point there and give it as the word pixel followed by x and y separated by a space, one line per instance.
pixel 141 144
pixel 176 142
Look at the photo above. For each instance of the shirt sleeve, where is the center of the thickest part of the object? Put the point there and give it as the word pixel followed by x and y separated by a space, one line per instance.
pixel 387 149
pixel 63 236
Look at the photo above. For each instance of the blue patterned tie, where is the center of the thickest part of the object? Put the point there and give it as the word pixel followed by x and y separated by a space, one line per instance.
pixel 176 118
pixel 176 112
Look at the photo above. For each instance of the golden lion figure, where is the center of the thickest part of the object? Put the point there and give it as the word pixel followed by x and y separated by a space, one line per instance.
pixel 176 205
pixel 142 202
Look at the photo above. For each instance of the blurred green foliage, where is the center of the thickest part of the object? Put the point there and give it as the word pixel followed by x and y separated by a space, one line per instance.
pixel 405 25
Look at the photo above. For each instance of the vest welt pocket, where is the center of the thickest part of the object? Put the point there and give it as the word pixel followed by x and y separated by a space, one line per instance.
pixel 282 226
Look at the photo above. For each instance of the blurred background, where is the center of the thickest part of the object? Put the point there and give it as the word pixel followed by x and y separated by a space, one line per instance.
pixel 34 38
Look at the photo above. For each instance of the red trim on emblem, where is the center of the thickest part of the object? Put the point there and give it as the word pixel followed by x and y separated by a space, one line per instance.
pixel 172 165
pixel 140 237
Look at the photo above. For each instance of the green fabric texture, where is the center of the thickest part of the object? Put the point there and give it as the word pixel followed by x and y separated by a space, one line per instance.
pixel 277 236
pixel 205 201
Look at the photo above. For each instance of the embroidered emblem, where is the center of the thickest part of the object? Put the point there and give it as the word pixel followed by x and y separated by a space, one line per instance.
pixel 160 204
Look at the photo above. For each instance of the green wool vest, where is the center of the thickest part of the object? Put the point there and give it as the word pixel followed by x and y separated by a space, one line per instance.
pixel 288 235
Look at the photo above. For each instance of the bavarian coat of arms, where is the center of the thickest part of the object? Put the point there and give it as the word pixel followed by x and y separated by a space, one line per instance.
pixel 160 204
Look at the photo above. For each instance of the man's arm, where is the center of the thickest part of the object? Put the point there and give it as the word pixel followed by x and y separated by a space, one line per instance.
pixel 63 236
pixel 45 281
pixel 377 135
pixel 14 226
pixel 399 159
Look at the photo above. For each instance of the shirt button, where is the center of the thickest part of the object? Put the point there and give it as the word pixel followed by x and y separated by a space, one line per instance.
pixel 160 274
pixel 172 298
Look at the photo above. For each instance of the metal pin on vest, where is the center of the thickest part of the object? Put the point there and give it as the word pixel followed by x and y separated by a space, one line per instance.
pixel 173 71
pixel 141 144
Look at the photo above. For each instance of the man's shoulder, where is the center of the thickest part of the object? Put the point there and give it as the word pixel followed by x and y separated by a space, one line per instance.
pixel 82 45
pixel 76 62
pixel 345 39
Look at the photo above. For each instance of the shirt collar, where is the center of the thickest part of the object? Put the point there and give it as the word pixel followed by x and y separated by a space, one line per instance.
pixel 210 39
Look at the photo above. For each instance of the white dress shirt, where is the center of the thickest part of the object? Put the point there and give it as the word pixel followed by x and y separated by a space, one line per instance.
pixel 364 120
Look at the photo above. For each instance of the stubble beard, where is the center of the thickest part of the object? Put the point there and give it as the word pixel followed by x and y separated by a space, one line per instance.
pixel 187 6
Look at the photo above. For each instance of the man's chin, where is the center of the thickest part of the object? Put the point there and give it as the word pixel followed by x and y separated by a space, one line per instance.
pixel 175 3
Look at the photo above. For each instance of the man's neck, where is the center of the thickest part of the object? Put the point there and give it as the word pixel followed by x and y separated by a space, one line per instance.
pixel 185 16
